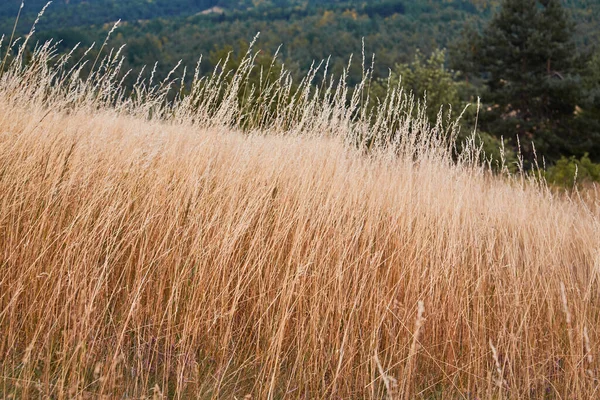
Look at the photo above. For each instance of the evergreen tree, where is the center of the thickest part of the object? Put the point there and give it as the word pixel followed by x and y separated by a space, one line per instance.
pixel 528 59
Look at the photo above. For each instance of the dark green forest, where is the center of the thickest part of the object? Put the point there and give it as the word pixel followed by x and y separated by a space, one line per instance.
pixel 534 63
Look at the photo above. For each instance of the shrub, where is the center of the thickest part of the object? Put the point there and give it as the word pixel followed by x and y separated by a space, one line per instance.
pixel 568 172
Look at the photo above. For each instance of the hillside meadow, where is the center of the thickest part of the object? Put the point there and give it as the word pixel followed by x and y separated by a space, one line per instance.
pixel 276 242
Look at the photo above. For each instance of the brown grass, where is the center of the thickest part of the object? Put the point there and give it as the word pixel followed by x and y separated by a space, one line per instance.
pixel 177 256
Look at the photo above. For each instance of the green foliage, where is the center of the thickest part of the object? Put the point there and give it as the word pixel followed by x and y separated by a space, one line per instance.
pixel 428 78
pixel 384 8
pixel 527 55
pixel 71 13
pixel 590 86
pixel 570 171
pixel 309 32
pixel 308 29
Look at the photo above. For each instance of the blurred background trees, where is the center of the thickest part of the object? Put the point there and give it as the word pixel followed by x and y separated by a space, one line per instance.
pixel 534 63
pixel 533 79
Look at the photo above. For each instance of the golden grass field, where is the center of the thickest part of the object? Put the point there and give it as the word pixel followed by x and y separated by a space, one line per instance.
pixel 151 248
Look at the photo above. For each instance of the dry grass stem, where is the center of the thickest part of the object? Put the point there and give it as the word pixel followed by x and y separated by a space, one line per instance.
pixel 275 242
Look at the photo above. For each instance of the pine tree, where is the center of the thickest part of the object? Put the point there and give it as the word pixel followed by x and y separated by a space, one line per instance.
pixel 528 59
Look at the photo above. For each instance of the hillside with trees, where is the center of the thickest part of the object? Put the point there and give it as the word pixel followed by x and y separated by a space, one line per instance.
pixel 542 90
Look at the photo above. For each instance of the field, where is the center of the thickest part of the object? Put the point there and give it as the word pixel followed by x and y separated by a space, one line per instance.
pixel 288 247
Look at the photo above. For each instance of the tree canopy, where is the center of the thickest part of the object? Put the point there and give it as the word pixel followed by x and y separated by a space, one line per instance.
pixel 529 62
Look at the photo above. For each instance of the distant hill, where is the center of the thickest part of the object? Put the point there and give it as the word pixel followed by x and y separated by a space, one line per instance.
pixel 70 13
pixel 171 30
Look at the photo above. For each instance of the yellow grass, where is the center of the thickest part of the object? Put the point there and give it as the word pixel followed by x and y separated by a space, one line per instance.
pixel 177 256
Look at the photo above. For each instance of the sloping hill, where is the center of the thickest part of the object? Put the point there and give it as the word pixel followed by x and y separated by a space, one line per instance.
pixel 278 248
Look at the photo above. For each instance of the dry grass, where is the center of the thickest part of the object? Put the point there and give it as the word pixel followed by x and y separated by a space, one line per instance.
pixel 177 257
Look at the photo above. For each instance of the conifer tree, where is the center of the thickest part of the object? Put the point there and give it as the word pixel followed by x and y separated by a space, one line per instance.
pixel 528 59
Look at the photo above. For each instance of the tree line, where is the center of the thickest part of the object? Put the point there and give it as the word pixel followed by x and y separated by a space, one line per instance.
pixel 533 63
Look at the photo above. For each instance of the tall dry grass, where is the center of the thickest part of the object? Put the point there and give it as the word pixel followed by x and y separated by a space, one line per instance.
pixel 149 248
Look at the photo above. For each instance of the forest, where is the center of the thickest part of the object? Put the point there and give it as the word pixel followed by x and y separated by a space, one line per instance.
pixel 456 51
